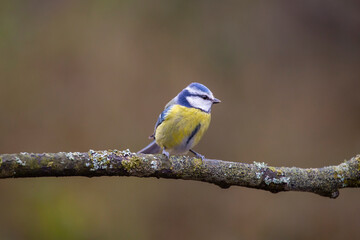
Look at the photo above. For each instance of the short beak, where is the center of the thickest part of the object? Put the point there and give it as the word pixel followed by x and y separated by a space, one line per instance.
pixel 215 100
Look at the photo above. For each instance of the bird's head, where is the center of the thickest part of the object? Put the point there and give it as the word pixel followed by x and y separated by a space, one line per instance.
pixel 197 96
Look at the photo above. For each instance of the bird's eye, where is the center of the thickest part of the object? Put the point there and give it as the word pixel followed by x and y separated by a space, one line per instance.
pixel 205 97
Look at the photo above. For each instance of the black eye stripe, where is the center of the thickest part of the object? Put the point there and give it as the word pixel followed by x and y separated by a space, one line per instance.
pixel 204 97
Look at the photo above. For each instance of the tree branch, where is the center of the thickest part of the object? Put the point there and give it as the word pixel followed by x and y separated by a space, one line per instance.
pixel 324 181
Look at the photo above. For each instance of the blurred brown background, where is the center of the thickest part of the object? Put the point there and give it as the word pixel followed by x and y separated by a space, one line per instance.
pixel 80 75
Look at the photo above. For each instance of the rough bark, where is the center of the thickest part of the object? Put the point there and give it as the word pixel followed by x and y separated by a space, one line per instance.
pixel 324 181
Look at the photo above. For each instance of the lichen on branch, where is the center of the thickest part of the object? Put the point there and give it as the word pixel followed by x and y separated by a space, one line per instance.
pixel 324 181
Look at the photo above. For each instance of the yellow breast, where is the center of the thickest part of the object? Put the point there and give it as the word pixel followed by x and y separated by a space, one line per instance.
pixel 182 128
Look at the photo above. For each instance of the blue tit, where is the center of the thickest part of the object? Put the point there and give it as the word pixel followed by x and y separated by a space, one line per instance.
pixel 183 122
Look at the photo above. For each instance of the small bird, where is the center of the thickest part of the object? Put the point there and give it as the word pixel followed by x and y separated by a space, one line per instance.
pixel 183 122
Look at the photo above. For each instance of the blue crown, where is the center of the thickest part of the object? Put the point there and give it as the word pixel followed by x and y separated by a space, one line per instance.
pixel 200 87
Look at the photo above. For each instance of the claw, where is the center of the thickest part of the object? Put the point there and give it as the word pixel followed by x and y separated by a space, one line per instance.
pixel 198 155
pixel 166 153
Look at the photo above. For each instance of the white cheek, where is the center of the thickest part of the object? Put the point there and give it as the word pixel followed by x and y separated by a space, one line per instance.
pixel 198 102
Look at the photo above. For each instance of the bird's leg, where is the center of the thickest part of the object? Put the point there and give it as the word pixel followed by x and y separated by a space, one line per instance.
pixel 166 153
pixel 198 155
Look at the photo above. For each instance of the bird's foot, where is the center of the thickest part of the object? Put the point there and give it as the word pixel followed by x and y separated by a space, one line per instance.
pixel 166 153
pixel 198 155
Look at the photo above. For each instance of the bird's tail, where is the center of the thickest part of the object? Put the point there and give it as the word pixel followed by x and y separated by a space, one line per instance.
pixel 152 148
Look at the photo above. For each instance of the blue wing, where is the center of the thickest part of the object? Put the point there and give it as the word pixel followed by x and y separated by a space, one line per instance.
pixel 161 118
pixel 163 115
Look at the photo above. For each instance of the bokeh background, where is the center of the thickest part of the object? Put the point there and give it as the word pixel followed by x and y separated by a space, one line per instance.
pixel 80 75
